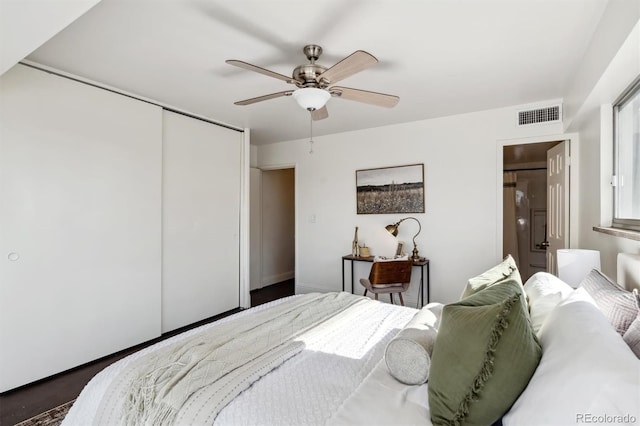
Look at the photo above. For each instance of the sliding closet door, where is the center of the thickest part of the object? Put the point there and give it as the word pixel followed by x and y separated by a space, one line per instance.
pixel 200 220
pixel 80 199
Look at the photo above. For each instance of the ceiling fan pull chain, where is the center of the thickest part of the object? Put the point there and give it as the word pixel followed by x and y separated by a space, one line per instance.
pixel 310 134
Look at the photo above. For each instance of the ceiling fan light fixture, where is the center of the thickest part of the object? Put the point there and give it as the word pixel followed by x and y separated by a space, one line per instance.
pixel 311 98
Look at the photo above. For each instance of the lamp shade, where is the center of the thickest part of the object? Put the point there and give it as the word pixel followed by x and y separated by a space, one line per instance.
pixel 392 229
pixel 575 264
pixel 311 98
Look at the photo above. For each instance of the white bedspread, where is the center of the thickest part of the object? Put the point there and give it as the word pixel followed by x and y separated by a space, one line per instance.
pixel 307 389
pixel 382 400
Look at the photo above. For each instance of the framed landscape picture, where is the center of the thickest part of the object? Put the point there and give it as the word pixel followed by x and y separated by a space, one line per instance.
pixel 390 190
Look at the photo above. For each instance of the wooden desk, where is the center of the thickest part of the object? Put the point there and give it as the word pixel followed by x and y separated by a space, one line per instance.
pixel 421 264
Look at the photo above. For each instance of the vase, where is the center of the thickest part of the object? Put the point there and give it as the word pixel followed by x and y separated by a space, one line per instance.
pixel 354 244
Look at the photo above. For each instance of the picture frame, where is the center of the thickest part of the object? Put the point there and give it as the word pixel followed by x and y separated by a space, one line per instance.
pixel 399 249
pixel 384 190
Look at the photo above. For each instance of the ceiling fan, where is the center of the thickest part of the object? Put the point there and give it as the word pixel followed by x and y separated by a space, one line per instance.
pixel 314 82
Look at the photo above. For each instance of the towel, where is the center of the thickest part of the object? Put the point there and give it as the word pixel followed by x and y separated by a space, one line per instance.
pixel 190 381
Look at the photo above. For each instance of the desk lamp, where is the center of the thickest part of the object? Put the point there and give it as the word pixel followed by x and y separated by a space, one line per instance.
pixel 393 230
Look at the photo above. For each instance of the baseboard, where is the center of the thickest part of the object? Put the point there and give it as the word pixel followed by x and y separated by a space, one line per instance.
pixel 278 278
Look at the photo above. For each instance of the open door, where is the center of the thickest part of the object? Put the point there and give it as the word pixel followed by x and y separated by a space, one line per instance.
pixel 558 189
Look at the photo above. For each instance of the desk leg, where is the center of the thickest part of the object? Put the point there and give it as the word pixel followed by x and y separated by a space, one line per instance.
pixel 421 295
pixel 352 277
pixel 342 274
pixel 428 285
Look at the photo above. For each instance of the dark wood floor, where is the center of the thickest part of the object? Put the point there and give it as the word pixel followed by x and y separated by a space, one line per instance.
pixel 27 401
pixel 272 292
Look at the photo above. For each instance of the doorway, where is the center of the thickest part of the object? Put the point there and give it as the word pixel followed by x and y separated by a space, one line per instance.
pixel 525 209
pixel 272 231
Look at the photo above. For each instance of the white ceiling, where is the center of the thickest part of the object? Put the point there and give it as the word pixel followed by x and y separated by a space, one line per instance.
pixel 25 26
pixel 442 57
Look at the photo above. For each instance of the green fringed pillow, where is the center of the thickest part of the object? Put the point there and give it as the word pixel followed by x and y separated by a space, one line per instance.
pixel 483 358
pixel 507 269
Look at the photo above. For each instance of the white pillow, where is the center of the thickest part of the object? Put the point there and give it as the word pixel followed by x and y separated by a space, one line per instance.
pixel 586 371
pixel 408 355
pixel 544 292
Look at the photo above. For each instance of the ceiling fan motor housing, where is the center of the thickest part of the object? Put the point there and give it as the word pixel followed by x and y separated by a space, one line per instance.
pixel 306 75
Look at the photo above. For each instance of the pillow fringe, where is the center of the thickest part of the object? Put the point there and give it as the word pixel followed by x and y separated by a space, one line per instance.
pixel 486 371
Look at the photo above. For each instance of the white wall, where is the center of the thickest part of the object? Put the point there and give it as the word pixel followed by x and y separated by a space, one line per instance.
pixel 278 231
pixel 594 123
pixel 459 233
pixel 255 229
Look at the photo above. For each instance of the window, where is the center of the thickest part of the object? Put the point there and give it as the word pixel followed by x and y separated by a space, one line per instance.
pixel 626 156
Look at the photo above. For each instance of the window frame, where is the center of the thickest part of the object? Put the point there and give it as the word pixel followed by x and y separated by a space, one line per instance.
pixel 628 224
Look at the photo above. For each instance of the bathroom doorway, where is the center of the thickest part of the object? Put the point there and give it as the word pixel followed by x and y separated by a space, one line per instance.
pixel 525 230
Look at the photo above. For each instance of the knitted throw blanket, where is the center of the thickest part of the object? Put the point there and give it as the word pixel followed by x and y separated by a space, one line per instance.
pixel 190 381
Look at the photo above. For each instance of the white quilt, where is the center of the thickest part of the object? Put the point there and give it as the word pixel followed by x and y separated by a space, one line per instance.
pixel 309 388
pixel 382 400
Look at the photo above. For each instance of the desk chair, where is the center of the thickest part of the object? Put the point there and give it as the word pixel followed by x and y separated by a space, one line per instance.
pixel 388 277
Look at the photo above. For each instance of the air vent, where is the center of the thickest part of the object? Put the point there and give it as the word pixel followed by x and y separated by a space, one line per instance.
pixel 540 115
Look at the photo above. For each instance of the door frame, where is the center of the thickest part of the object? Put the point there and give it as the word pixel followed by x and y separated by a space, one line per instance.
pixel 296 178
pixel 245 220
pixel 574 182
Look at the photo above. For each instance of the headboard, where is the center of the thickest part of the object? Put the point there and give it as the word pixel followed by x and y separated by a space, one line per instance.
pixel 629 271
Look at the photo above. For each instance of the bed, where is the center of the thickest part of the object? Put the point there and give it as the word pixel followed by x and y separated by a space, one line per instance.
pixel 342 359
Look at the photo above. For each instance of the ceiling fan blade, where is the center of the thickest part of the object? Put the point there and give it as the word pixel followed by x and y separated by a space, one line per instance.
pixel 373 98
pixel 354 63
pixel 264 98
pixel 255 68
pixel 320 114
